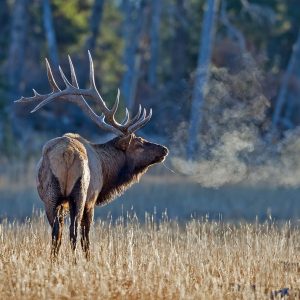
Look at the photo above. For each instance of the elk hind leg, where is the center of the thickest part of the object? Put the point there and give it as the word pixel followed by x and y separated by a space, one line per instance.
pixel 76 203
pixel 87 219
pixel 49 192
pixel 57 230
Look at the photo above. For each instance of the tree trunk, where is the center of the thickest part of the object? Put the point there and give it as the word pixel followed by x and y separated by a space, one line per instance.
pixel 180 43
pixel 95 21
pixel 202 74
pixel 4 28
pixel 17 46
pixel 91 41
pixel 132 34
pixel 50 33
pixel 293 64
pixel 154 42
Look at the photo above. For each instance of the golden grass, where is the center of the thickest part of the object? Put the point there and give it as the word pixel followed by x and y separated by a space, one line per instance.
pixel 165 260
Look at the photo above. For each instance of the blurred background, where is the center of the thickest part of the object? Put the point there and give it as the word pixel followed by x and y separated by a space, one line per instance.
pixel 221 76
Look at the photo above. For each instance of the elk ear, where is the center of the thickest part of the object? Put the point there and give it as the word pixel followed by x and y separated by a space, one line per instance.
pixel 124 142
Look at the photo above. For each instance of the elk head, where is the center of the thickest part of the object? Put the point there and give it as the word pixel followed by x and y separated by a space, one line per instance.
pixel 140 153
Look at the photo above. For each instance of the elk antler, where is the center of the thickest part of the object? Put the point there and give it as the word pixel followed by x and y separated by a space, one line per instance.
pixel 74 94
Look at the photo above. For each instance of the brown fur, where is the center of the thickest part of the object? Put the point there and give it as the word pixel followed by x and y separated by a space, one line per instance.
pixel 118 175
pixel 75 174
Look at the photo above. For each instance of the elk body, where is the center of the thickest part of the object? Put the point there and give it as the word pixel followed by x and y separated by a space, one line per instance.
pixel 74 175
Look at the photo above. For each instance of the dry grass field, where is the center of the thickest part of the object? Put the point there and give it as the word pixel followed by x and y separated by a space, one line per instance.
pixel 149 259
pixel 153 260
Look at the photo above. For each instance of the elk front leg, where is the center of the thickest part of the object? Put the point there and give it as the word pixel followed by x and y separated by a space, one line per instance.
pixel 87 219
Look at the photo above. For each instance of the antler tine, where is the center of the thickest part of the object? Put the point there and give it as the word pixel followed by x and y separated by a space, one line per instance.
pixel 93 87
pixel 36 93
pixel 73 74
pixel 136 117
pixel 92 73
pixel 50 76
pixel 127 122
pixel 143 115
pixel 137 121
pixel 116 104
pixel 63 76
pixel 127 118
pixel 141 122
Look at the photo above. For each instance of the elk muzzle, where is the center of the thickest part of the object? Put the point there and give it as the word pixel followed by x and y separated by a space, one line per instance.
pixel 162 152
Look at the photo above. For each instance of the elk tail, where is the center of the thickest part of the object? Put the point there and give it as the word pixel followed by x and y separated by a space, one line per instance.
pixel 65 166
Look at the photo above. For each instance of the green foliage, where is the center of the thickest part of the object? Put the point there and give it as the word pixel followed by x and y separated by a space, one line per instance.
pixel 109 50
pixel 271 32
pixel 71 23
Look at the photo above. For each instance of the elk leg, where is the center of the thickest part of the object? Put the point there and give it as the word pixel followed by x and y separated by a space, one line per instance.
pixel 76 203
pixel 87 219
pixel 49 192
pixel 50 213
pixel 57 230
pixel 75 221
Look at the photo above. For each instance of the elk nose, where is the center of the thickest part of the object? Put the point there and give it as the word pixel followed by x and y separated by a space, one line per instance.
pixel 165 151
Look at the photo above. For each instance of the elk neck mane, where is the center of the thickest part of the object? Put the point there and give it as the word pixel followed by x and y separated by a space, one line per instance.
pixel 118 173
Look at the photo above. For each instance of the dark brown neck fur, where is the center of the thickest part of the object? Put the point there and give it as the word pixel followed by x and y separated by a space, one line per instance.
pixel 118 173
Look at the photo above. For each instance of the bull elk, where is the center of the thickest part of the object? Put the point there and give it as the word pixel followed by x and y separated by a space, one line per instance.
pixel 74 175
